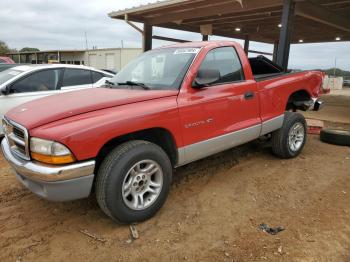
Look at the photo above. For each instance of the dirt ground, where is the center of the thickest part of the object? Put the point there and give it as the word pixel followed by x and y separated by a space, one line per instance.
pixel 213 212
pixel 336 108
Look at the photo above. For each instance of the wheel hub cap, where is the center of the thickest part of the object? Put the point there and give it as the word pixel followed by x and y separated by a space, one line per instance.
pixel 296 137
pixel 142 184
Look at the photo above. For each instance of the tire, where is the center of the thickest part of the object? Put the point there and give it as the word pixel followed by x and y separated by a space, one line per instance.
pixel 293 129
pixel 122 168
pixel 335 137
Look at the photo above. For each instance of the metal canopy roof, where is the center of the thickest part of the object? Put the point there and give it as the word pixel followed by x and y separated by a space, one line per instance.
pixel 258 20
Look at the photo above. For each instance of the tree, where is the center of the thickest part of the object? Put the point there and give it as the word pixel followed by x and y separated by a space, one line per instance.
pixel 29 49
pixel 4 48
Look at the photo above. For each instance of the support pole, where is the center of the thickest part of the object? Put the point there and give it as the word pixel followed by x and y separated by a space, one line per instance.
pixel 147 37
pixel 275 48
pixel 246 45
pixel 205 37
pixel 286 33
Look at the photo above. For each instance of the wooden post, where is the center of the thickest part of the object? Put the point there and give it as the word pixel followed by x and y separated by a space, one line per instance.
pixel 286 33
pixel 147 37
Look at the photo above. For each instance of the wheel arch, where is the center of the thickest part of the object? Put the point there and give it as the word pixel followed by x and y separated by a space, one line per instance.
pixel 298 100
pixel 159 136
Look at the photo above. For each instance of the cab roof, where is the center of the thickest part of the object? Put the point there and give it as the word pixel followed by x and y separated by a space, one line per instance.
pixel 25 67
pixel 201 44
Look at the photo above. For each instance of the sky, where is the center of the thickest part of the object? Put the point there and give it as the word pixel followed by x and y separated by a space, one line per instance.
pixel 48 24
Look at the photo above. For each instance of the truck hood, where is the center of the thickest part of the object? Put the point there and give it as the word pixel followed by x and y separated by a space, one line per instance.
pixel 53 108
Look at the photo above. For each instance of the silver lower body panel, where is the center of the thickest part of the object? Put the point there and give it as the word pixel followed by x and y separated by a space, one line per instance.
pixel 215 145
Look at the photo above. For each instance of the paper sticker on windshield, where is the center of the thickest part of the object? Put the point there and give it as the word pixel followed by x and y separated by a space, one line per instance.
pixel 186 51
pixel 13 73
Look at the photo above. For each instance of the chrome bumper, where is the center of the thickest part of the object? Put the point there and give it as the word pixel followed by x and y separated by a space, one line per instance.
pixel 57 183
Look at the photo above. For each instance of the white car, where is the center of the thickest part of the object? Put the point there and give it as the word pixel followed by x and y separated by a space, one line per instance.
pixel 24 83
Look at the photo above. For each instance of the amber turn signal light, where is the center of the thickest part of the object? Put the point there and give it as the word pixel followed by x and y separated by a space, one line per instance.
pixel 55 160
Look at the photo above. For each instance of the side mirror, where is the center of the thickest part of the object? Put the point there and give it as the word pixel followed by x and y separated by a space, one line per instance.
pixel 206 77
pixel 5 90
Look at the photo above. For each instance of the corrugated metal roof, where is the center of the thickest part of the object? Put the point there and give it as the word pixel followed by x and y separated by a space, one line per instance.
pixel 258 20
pixel 153 6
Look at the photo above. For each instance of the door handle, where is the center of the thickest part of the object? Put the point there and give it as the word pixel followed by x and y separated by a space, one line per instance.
pixel 249 95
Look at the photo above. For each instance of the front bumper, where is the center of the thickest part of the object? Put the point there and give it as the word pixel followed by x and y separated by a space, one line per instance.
pixel 55 183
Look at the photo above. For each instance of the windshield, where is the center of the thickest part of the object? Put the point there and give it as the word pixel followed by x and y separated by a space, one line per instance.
pixel 8 74
pixel 157 69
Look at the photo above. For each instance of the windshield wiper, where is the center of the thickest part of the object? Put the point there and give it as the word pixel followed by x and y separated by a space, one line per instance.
pixel 132 83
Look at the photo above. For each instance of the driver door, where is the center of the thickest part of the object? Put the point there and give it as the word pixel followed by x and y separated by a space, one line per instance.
pixel 213 117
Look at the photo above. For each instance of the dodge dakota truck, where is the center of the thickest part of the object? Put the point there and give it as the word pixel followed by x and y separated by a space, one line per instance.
pixel 167 108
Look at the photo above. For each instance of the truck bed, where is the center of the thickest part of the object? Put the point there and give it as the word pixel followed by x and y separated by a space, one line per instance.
pixel 263 68
pixel 261 77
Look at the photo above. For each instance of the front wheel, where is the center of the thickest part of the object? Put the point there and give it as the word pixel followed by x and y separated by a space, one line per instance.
pixel 289 141
pixel 133 181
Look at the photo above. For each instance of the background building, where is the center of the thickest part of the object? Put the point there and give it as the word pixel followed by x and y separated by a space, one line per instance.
pixel 108 58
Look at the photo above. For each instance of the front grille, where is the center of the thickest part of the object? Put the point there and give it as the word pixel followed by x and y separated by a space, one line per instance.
pixel 17 137
pixel 20 148
pixel 19 133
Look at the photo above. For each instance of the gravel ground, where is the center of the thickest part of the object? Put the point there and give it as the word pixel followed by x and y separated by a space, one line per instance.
pixel 213 213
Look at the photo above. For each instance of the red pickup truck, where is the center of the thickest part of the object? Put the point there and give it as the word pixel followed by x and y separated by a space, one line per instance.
pixel 169 107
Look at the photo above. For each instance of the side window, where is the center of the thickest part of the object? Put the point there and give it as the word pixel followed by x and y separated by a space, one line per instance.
pixel 96 76
pixel 46 80
pixel 226 60
pixel 76 77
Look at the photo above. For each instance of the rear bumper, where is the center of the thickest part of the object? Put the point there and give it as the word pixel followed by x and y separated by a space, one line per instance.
pixel 56 183
pixel 314 104
pixel 318 104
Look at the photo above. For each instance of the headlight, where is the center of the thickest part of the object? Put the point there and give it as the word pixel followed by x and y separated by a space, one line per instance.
pixel 7 129
pixel 50 152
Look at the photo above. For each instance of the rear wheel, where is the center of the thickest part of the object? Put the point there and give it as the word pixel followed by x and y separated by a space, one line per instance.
pixel 289 141
pixel 133 181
